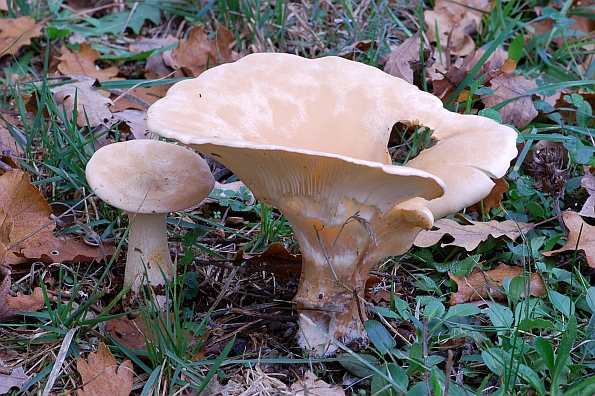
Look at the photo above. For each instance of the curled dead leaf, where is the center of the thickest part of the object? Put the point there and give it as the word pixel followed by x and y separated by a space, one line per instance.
pixel 197 52
pixel 276 260
pixel 519 112
pixel 588 183
pixel 401 58
pixel 482 285
pixel 455 23
pixel 91 107
pixel 471 235
pixel 581 237
pixel 492 200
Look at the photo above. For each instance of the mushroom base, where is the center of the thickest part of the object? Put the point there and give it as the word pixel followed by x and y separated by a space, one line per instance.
pixel 339 317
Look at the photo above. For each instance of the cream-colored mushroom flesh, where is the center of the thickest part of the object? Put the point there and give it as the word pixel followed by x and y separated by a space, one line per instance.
pixel 148 179
pixel 310 138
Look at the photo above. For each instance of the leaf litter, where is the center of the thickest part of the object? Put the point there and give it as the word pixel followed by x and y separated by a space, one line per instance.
pixel 457 26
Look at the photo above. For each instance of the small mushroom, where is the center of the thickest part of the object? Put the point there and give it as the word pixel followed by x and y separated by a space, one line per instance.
pixel 148 179
pixel 310 138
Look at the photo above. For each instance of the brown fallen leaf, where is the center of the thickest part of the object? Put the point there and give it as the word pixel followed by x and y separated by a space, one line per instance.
pixel 90 105
pixel 16 379
pixel 102 376
pixel 156 64
pixel 380 296
pixel 197 53
pixel 481 285
pixel 402 57
pixel 456 24
pixel 130 333
pixel 135 120
pixel 492 200
pixel 27 302
pixel 8 143
pixel 139 98
pixel 588 183
pixel 519 112
pixel 82 63
pixel 16 33
pixel 455 75
pixel 581 237
pixel 10 306
pixel 66 251
pixel 30 215
pixel 311 385
pixel 471 235
pixel 276 260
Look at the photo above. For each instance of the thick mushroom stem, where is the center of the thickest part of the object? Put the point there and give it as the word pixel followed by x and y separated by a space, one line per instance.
pixel 337 261
pixel 148 253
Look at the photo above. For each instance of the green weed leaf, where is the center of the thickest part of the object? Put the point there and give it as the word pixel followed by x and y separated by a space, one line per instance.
pixel 564 351
pixel 379 336
pixel 461 310
pixel 381 387
pixel 501 317
pixel 434 310
pixel 356 366
pixel 562 303
pixel 545 350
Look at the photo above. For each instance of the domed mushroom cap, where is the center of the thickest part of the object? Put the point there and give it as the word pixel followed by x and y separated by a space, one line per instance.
pixel 149 176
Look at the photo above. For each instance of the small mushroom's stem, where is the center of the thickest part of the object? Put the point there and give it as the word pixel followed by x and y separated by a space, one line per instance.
pixel 148 253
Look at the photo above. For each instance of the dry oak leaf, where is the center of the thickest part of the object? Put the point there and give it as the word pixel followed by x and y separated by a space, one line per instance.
pixel 588 183
pixel 455 74
pixel 480 285
pixel 90 104
pixel 401 57
pixel 139 98
pixel 16 33
pixel 276 260
pixel 30 216
pixel 27 209
pixel 519 112
pixel 10 306
pixel 492 200
pixel 471 235
pixel 197 53
pixel 581 236
pixel 16 379
pixel 82 63
pixel 102 376
pixel 135 121
pixel 456 23
pixel 311 385
pixel 156 64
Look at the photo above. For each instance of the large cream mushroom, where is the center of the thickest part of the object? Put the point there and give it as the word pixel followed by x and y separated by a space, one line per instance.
pixel 309 137
pixel 148 179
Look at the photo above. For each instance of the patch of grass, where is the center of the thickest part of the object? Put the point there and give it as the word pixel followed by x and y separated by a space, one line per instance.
pixel 419 344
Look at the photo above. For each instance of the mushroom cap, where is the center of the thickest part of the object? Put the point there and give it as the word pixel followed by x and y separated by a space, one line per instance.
pixel 284 106
pixel 307 136
pixel 149 176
